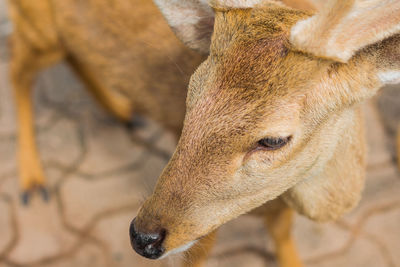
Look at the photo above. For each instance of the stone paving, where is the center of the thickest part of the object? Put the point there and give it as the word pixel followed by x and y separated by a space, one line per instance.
pixel 97 186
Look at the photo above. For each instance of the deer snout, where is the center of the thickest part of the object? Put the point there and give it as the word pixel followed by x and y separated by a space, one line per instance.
pixel 145 243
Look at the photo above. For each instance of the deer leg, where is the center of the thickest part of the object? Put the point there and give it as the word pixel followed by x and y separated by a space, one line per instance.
pixel 26 62
pixel 278 221
pixel 199 252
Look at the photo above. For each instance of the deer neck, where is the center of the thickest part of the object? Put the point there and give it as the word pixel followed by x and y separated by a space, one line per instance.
pixel 345 166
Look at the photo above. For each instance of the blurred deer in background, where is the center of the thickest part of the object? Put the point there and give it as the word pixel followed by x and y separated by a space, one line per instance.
pixel 273 121
pixel 123 51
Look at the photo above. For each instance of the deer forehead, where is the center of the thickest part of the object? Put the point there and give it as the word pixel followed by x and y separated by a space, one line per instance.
pixel 248 50
pixel 252 84
pixel 248 96
pixel 230 121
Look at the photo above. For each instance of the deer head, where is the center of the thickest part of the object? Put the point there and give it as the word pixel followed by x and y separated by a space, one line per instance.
pixel 273 111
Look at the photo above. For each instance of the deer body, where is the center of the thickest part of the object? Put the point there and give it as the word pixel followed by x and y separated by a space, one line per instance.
pixel 127 47
pixel 269 123
pixel 123 51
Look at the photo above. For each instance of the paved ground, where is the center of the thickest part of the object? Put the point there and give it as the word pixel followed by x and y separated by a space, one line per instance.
pixel 97 185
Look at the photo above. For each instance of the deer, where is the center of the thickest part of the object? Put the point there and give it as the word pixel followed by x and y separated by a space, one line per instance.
pixel 123 52
pixel 273 122
pixel 119 73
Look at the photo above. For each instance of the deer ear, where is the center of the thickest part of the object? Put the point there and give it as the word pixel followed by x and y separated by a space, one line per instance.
pixel 340 28
pixel 193 20
pixel 387 60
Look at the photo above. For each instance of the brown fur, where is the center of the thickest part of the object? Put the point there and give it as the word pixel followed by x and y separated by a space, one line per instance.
pixel 119 70
pixel 253 85
pixel 305 5
pixel 197 255
pixel 126 55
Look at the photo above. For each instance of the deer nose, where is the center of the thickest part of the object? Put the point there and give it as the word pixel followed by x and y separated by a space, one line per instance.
pixel 149 245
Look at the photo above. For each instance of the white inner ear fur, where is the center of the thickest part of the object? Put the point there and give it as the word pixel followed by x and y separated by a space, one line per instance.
pixel 389 77
pixel 337 34
pixel 236 3
pixel 180 12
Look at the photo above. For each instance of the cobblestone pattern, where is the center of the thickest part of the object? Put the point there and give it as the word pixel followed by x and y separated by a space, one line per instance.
pixel 97 186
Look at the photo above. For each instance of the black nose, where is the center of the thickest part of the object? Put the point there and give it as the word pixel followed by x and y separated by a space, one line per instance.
pixel 148 245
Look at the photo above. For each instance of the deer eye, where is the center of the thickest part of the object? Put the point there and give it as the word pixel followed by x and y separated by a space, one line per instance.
pixel 273 143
